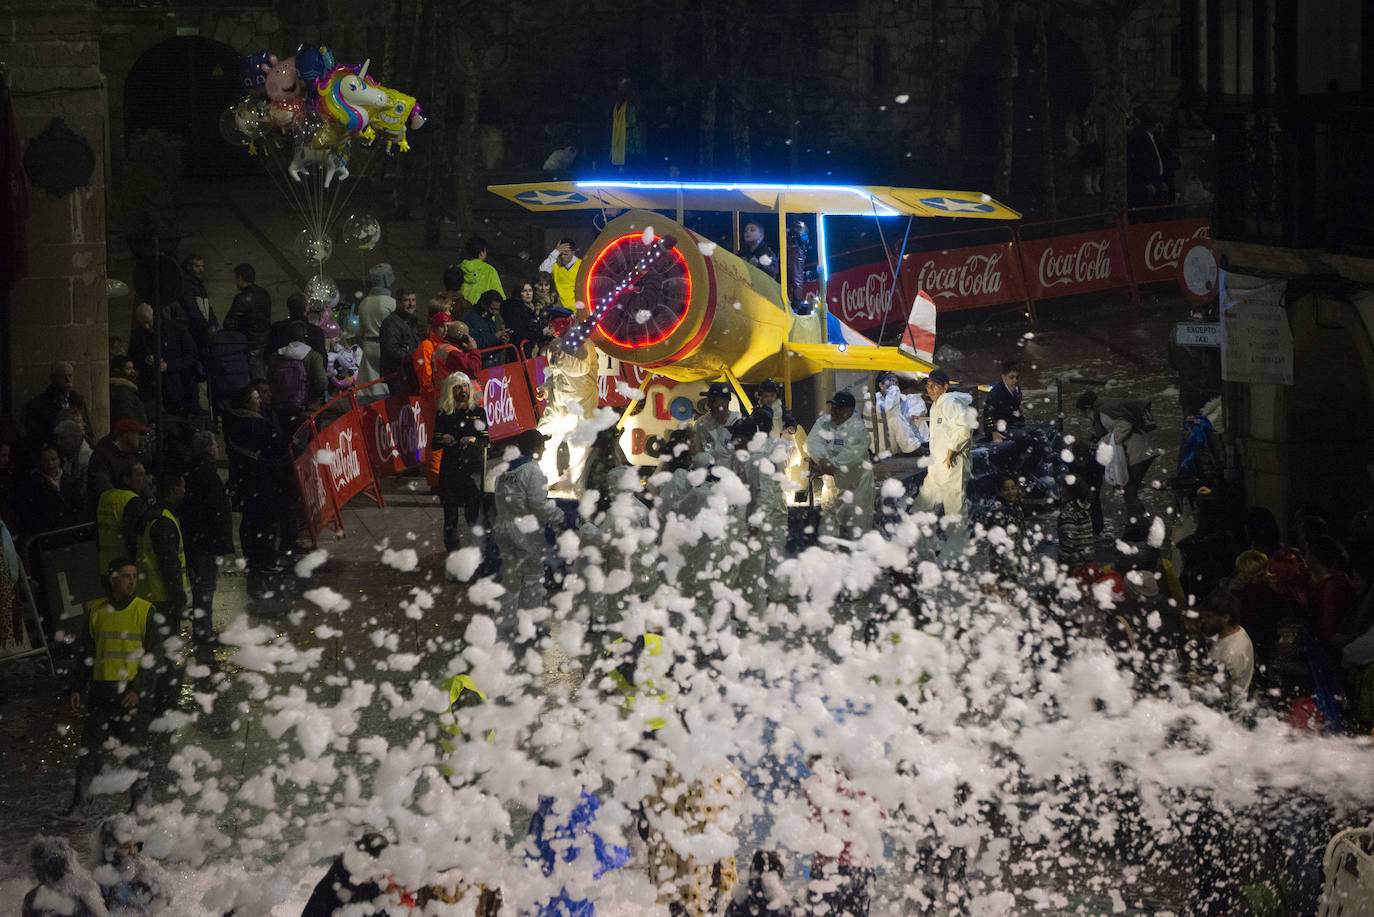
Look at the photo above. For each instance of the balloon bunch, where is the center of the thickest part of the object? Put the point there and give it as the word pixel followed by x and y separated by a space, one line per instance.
pixel 315 122
pixel 320 106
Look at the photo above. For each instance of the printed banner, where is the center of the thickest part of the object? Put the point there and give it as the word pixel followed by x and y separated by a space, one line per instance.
pixel 1157 249
pixel 861 297
pixel 314 499
pixel 1080 263
pixel 398 431
pixel 338 452
pixel 966 278
pixel 506 398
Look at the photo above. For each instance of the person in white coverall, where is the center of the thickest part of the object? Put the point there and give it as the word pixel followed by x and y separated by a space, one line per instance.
pixel 952 422
pixel 838 448
pixel 710 432
pixel 570 386
pixel 906 415
pixel 523 509
pixel 763 466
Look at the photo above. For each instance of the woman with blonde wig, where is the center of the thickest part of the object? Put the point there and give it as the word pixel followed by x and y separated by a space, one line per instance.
pixel 460 430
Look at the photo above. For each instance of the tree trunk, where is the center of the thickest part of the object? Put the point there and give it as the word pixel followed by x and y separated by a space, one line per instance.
pixel 740 89
pixel 435 163
pixel 1115 104
pixel 405 75
pixel 466 162
pixel 710 87
pixel 938 125
pixel 1047 125
pixel 789 94
pixel 1006 128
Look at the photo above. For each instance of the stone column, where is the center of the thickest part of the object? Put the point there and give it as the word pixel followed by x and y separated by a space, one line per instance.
pixel 58 311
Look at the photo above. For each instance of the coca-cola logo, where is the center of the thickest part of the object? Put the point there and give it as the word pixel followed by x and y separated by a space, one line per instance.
pixel 346 466
pixel 979 275
pixel 1162 251
pixel 499 403
pixel 1091 261
pixel 404 436
pixel 868 301
pixel 312 486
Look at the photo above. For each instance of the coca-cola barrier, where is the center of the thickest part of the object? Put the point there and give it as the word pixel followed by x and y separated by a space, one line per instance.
pixel 1020 270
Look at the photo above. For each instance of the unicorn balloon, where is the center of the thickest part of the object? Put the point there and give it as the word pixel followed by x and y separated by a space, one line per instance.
pixel 350 98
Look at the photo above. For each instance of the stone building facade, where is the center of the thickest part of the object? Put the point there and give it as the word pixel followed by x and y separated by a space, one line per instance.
pixel 57 311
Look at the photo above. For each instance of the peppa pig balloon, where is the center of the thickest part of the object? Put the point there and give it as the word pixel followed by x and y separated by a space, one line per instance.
pixel 282 81
pixel 251 73
pixel 313 62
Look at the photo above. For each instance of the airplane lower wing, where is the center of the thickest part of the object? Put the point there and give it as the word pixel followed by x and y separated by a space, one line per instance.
pixel 809 359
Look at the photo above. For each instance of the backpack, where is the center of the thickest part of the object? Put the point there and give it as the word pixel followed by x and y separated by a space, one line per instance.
pixel 290 385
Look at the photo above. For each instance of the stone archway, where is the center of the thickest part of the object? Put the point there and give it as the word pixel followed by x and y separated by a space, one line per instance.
pixel 181 86
pixel 1070 90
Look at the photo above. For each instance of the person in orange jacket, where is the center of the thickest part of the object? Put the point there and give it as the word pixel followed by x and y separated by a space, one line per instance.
pixel 426 381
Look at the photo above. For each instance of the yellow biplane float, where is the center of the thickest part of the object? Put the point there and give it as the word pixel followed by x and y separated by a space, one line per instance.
pixel 663 298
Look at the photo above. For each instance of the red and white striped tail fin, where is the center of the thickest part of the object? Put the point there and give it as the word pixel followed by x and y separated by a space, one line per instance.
pixel 919 337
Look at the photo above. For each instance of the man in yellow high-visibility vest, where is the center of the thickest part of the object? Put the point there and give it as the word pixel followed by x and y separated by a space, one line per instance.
pixel 112 679
pixel 119 514
pixel 162 552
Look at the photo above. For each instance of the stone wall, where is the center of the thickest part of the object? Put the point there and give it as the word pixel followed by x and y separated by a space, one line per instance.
pixel 59 310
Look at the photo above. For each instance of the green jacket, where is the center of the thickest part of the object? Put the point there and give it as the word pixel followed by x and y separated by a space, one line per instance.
pixel 478 277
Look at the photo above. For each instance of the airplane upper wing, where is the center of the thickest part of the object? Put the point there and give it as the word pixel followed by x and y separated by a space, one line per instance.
pixel 753 197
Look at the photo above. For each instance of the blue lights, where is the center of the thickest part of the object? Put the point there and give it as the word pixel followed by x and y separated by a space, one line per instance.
pixel 869 203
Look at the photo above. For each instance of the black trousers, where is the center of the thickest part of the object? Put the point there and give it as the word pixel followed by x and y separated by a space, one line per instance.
pixel 461 505
pixel 107 719
pixel 203 570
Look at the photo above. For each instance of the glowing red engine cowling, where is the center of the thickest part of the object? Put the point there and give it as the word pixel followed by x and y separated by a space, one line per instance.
pixel 689 310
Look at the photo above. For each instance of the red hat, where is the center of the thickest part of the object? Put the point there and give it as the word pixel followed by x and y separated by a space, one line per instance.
pixel 439 318
pixel 128 425
pixel 1111 576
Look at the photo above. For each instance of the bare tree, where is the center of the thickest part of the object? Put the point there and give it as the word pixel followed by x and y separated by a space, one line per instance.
pixel 1006 104
pixel 1110 19
pixel 741 87
pixel 710 86
pixel 1050 197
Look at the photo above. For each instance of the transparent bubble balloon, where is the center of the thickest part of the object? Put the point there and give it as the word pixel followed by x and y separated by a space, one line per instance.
pixel 363 231
pixel 322 291
pixel 305 130
pixel 313 249
pixel 230 129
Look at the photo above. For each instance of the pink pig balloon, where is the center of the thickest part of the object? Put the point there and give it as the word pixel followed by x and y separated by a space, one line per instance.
pixel 283 82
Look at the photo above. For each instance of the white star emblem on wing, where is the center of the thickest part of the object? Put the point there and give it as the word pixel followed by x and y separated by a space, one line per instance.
pixel 544 197
pixel 956 206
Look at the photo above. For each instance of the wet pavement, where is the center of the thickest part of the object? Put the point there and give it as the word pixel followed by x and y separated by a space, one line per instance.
pixel 404 621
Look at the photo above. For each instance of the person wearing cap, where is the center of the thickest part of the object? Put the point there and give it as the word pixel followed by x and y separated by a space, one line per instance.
pixel 838 448
pixel 710 431
pixel 523 509
pixel 770 398
pixel 905 413
pixel 571 397
pixel 123 446
pixel 952 422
